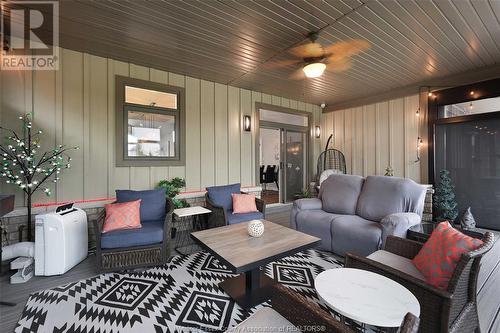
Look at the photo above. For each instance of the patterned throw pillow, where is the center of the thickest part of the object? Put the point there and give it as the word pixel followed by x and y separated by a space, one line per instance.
pixel 243 203
pixel 125 215
pixel 441 253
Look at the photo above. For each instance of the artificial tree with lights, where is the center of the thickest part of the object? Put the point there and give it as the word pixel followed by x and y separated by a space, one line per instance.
pixel 25 167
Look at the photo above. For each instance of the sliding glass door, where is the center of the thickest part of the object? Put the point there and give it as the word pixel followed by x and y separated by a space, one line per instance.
pixel 470 150
pixel 284 155
pixel 295 161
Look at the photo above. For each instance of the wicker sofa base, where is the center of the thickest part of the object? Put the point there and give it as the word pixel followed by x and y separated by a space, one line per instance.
pixel 131 258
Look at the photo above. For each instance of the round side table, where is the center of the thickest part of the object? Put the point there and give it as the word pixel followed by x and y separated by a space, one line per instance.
pixel 366 297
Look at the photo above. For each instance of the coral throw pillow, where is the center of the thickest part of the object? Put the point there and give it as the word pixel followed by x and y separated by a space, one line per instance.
pixel 243 203
pixel 441 253
pixel 125 215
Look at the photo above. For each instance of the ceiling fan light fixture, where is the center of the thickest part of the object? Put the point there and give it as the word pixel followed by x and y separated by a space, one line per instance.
pixel 313 70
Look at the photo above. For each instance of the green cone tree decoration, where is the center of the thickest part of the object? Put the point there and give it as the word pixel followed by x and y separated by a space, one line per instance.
pixel 27 168
pixel 444 203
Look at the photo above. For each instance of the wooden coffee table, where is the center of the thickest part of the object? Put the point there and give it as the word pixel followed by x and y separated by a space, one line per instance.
pixel 245 254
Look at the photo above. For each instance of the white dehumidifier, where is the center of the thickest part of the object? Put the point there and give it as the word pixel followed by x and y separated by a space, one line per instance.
pixel 61 240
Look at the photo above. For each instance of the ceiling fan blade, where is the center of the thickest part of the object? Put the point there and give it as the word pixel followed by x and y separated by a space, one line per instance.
pixel 339 66
pixel 347 48
pixel 309 50
pixel 298 74
pixel 281 63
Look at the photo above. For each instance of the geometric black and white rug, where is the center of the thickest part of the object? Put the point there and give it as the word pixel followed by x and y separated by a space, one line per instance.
pixel 181 296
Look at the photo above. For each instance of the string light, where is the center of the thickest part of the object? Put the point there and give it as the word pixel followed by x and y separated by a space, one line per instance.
pixel 23 166
pixel 420 142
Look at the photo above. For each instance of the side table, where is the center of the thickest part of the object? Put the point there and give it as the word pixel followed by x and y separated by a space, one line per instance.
pixel 366 297
pixel 185 221
pixel 421 232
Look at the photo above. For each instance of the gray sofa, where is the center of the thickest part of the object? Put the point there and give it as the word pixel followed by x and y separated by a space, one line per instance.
pixel 355 214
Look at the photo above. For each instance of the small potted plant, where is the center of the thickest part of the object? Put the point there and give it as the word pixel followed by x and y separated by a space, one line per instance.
pixel 172 188
pixel 444 203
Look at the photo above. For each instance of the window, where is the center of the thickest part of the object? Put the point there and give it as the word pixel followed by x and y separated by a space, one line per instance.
pixel 284 117
pixel 479 106
pixel 150 124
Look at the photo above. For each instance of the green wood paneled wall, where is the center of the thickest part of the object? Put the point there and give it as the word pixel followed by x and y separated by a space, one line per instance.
pixel 76 106
pixel 375 136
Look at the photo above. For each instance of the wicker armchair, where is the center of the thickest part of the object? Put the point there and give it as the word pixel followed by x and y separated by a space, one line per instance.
pixel 451 310
pixel 218 218
pixel 123 258
pixel 303 313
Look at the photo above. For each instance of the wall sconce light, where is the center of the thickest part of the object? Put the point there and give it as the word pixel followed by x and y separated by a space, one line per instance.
pixel 247 123
pixel 418 112
pixel 317 132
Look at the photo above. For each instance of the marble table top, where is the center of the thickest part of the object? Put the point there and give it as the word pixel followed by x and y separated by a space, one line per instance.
pixel 366 297
pixel 190 211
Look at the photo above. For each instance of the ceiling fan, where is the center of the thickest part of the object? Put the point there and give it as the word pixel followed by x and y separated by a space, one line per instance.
pixel 315 58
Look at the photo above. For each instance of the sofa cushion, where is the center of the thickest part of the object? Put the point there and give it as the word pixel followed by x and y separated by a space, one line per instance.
pixel 317 223
pixel 383 195
pixel 339 193
pixel 150 233
pixel 351 233
pixel 221 195
pixel 244 217
pixel 152 204
pixel 397 262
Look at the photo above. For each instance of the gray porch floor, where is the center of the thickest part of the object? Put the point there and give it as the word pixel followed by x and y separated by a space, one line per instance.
pixel 18 293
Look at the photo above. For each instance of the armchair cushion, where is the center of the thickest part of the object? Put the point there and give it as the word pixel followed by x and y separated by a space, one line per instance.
pixel 124 215
pixel 221 195
pixel 397 262
pixel 243 203
pixel 308 204
pixel 238 218
pixel 150 233
pixel 383 195
pixel 264 320
pixel 441 253
pixel 339 193
pixel 397 224
pixel 152 204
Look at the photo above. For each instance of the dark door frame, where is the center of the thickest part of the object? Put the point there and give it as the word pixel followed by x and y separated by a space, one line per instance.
pixel 307 130
pixel 466 93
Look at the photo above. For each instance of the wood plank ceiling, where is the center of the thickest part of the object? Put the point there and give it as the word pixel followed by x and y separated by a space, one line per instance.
pixel 230 41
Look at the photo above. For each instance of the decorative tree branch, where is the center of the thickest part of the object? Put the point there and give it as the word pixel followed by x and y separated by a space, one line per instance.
pixel 22 167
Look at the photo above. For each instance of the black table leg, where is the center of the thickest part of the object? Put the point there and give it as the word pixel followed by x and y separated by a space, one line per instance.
pixel 249 289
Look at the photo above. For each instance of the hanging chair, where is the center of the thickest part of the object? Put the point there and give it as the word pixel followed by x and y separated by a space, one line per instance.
pixel 330 159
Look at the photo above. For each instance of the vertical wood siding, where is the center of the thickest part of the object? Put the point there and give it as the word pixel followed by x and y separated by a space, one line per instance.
pixel 375 136
pixel 76 106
